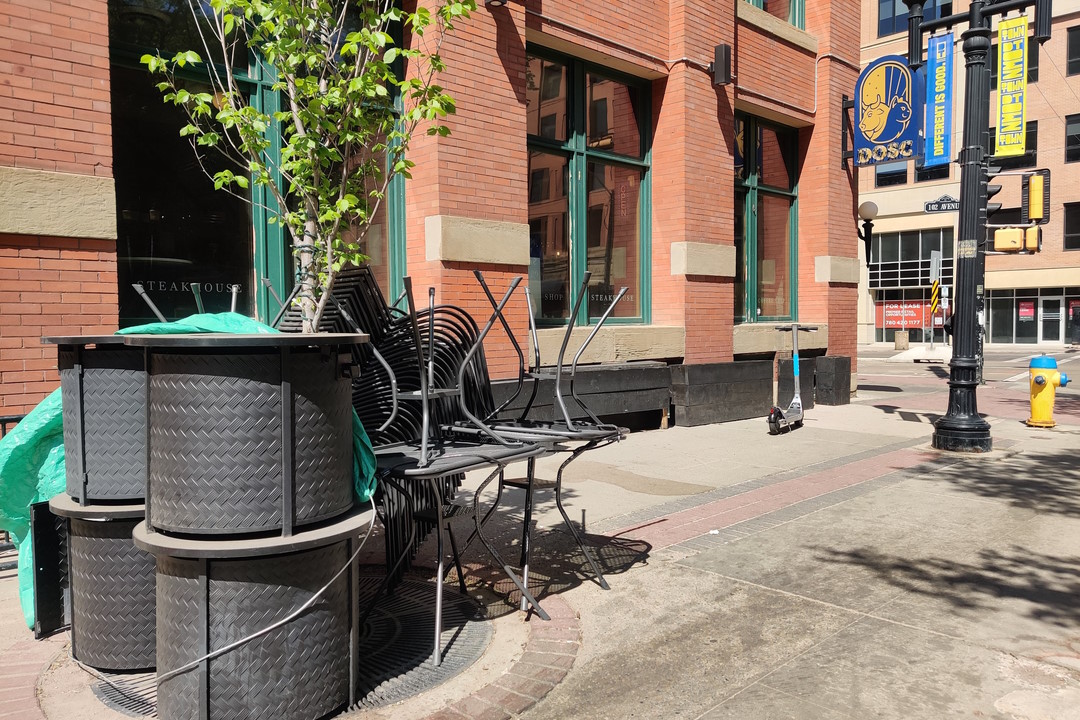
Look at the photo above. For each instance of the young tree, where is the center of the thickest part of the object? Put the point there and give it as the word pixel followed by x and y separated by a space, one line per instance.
pixel 352 98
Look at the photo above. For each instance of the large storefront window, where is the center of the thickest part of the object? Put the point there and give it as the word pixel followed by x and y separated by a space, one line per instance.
pixel 766 212
pixel 1034 315
pixel 173 228
pixel 901 274
pixel 588 189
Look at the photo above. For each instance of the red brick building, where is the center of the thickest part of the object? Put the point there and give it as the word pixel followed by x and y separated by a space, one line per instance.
pixel 588 137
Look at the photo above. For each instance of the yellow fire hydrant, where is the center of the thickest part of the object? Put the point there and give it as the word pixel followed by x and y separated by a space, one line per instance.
pixel 1044 379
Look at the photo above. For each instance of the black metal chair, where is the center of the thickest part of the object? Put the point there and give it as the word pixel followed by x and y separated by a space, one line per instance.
pixel 575 437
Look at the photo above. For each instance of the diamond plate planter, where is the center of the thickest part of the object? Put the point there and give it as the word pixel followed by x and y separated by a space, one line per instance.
pixel 214 592
pixel 103 388
pixel 111 586
pixel 247 434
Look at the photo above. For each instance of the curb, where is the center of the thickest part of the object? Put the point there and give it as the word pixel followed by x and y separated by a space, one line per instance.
pixel 549 654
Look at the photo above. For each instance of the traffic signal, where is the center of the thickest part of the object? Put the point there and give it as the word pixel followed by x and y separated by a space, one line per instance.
pixel 1035 197
pixel 1018 239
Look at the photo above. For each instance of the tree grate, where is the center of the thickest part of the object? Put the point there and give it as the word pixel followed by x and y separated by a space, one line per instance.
pixel 396 646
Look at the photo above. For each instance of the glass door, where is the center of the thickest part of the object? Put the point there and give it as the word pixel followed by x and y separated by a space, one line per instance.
pixel 1051 319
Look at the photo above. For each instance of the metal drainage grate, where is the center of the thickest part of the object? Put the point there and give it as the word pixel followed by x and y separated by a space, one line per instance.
pixel 133 694
pixel 395 650
pixel 396 643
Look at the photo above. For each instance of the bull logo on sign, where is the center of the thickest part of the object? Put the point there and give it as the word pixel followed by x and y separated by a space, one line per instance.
pixel 888 112
pixel 885 102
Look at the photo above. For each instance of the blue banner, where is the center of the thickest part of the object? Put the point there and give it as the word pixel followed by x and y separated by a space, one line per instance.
pixel 939 100
pixel 888 112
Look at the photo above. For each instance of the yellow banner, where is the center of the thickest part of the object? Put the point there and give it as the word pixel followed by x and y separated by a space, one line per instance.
pixel 1012 87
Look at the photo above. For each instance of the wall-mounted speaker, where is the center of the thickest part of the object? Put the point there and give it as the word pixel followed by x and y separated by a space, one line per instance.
pixel 721 65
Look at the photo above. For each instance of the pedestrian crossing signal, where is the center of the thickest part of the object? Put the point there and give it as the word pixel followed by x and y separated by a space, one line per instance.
pixel 1018 240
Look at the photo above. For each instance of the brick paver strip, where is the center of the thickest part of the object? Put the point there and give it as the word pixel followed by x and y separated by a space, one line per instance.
pixel 544 663
pixel 694 522
pixel 28 659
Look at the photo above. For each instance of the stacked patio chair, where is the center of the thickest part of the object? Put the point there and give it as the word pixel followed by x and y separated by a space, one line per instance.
pixel 575 432
pixel 439 352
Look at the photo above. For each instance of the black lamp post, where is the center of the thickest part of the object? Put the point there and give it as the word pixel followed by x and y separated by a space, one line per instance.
pixel 962 428
pixel 867 212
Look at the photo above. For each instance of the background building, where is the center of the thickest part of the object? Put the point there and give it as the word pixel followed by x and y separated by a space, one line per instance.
pixel 1029 299
pixel 587 138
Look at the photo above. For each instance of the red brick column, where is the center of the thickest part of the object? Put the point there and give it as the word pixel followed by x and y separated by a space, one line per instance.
pixel 54 124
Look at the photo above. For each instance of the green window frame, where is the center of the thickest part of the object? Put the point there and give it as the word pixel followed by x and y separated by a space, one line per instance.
pixel 796 10
pixel 272 253
pixel 583 156
pixel 752 189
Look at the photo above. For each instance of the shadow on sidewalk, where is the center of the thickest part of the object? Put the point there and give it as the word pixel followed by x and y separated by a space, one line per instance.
pixel 1047 482
pixel 1050 583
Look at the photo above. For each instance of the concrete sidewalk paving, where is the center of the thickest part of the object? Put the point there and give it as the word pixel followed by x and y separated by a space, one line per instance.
pixel 843 570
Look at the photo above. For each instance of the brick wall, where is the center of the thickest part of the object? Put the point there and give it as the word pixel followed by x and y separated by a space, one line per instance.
pixel 54 117
pixel 48 286
pixel 54 86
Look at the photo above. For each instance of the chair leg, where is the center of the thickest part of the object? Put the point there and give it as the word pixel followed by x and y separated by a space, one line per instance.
pixel 440 525
pixel 495 553
pixel 566 518
pixel 489 512
pixel 526 545
pixel 457 559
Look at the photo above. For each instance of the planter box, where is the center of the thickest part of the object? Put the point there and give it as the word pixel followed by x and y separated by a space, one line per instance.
pixel 248 433
pixel 212 592
pixel 111 587
pixel 103 387
pixel 785 382
pixel 718 392
pixel 834 380
pixel 608 390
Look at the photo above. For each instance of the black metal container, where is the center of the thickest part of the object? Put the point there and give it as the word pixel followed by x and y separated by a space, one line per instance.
pixel 103 388
pixel 215 592
pixel 248 433
pixel 111 581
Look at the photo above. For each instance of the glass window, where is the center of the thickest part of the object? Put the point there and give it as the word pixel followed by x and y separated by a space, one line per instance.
pixel 909 245
pixel 774 256
pixel 892 173
pixel 612 238
pixel 549 237
pixel 545 98
pixel 776 157
pixel 1033 63
pixel 1071 239
pixel 1031 145
pixel 1074 51
pixel 608 237
pixel 614 121
pixel 893 14
pixel 937 172
pixel 173 228
pixel 765 221
pixel 1001 320
pixel 1072 138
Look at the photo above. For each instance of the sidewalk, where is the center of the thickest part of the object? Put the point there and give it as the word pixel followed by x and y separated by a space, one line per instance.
pixel 843 570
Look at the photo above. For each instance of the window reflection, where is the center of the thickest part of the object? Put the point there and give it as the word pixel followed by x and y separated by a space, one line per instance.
pixel 166 26
pixel 173 228
pixel 613 122
pixel 549 236
pixel 612 237
pixel 545 98
pixel 774 255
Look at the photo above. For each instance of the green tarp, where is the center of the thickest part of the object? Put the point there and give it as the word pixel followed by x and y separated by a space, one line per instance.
pixel 32 454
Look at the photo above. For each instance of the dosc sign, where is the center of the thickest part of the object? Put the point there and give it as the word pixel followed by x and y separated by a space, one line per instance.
pixel 888 117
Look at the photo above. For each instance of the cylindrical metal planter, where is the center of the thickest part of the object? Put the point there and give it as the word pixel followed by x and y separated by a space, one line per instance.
pixel 112 587
pixel 103 387
pixel 214 593
pixel 248 438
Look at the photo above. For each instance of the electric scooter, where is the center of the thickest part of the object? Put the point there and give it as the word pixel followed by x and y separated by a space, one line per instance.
pixel 780 419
